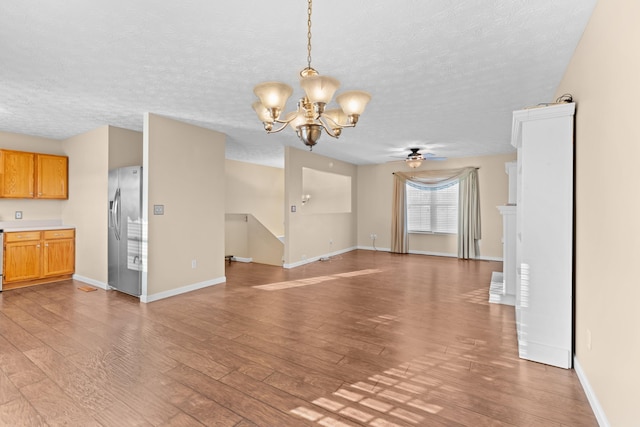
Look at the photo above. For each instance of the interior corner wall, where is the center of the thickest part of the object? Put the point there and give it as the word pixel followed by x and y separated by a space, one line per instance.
pixel 125 147
pixel 375 195
pixel 310 236
pixel 603 79
pixel 183 170
pixel 32 209
pixel 257 190
pixel 86 208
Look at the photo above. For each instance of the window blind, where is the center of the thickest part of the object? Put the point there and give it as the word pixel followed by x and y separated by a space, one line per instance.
pixel 432 210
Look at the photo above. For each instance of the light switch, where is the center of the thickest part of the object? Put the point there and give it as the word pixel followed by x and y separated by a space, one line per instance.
pixel 158 209
pixel 18 214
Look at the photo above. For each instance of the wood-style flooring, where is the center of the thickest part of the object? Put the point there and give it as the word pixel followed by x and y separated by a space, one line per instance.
pixel 365 339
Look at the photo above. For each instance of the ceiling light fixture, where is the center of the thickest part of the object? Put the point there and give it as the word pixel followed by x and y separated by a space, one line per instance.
pixel 414 159
pixel 311 117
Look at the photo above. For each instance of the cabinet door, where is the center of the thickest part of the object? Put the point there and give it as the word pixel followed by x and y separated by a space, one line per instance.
pixel 52 176
pixel 22 261
pixel 59 257
pixel 17 168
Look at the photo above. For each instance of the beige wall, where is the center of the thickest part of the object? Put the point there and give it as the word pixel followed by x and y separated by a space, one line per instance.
pixel 125 148
pixel 256 190
pixel 603 77
pixel 86 208
pixel 308 235
pixel 375 189
pixel 31 209
pixel 184 171
pixel 236 235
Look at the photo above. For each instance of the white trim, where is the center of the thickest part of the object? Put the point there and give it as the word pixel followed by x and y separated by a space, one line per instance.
pixel 317 258
pixel 490 258
pixel 433 253
pixel 537 113
pixel 598 411
pixel 240 259
pixel 544 353
pixel 496 290
pixel 371 248
pixel 182 290
pixel 448 255
pixel 90 281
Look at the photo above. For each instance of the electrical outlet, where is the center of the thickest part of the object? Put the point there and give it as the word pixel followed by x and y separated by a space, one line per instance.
pixel 331 241
pixel 194 263
pixel 18 214
pixel 158 209
pixel 373 236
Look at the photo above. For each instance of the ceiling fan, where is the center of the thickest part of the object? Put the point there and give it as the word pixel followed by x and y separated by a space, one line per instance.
pixel 414 159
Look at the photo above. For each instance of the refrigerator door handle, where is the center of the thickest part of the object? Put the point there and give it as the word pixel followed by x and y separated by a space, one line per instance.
pixel 116 214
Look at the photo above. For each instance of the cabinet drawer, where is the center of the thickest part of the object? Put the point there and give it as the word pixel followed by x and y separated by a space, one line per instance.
pixel 21 236
pixel 59 234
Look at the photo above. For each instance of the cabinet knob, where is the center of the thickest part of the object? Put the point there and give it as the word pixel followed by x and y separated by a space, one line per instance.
pixel 46 245
pixel 38 246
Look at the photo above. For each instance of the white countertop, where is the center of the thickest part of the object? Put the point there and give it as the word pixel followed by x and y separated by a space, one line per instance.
pixel 33 225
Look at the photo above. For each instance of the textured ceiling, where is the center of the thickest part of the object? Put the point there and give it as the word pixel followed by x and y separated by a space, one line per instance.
pixel 444 76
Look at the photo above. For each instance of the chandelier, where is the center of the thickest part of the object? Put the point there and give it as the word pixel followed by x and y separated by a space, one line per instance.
pixel 311 115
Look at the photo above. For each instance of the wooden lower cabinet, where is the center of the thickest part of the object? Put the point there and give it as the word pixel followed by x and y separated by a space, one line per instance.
pixel 34 257
pixel 22 256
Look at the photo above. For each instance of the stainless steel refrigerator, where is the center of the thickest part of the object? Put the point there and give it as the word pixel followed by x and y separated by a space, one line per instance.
pixel 125 229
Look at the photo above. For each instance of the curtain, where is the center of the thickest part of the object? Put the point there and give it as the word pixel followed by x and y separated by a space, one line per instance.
pixel 399 235
pixel 469 231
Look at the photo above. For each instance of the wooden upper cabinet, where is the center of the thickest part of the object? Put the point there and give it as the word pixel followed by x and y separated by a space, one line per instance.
pixel 33 175
pixel 51 173
pixel 18 174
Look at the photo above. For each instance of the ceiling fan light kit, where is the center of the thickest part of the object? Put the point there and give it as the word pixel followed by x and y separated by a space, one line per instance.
pixel 311 116
pixel 414 159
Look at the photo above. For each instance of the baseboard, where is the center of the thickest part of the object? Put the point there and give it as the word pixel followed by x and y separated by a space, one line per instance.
pixel 543 353
pixel 598 411
pixel 317 258
pixel 490 258
pixel 371 248
pixel 182 290
pixel 90 281
pixel 496 290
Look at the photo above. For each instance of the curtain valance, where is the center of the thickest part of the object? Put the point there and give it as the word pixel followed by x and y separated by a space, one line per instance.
pixel 435 178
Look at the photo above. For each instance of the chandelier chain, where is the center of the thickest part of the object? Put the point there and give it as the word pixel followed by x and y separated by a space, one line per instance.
pixel 309 34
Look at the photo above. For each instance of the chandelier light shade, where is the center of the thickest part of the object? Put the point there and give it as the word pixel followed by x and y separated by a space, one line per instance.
pixel 311 117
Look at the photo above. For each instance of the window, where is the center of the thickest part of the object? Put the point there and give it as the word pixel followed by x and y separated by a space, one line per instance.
pixel 432 210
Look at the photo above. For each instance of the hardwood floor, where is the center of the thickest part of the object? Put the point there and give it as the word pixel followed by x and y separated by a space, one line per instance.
pixel 365 339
